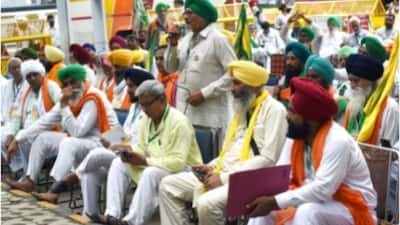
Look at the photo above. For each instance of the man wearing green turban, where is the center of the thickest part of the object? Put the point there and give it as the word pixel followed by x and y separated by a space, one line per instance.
pixel 319 70
pixel 29 53
pixel 373 47
pixel 329 43
pixel 85 113
pixel 161 25
pixel 201 58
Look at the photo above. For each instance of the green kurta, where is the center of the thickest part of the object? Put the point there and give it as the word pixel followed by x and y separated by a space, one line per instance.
pixel 170 147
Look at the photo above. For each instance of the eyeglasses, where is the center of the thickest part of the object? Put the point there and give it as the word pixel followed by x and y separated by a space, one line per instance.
pixel 146 105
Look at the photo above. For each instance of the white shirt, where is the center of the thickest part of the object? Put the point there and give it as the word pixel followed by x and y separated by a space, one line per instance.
pixel 330 43
pixel 390 122
pixel 120 90
pixel 85 125
pixel 269 135
pixel 203 68
pixel 271 42
pixel 342 162
pixel 387 36
pixel 90 76
pixel 131 124
pixel 354 41
pixel 10 97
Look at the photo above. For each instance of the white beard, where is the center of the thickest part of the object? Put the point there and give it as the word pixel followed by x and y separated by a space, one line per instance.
pixel 240 105
pixel 358 98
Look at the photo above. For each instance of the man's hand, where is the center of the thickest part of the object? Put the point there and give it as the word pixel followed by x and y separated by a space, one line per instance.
pixel 9 139
pixel 11 150
pixel 196 99
pixel 105 143
pixel 203 168
pixel 262 206
pixel 212 180
pixel 66 96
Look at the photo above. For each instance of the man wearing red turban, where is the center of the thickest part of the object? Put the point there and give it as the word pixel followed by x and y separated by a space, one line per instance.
pixel 330 181
pixel 80 55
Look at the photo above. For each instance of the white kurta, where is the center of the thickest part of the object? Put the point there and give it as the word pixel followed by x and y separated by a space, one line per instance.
pixel 270 44
pixel 330 43
pixel 387 36
pixel 120 91
pixel 90 75
pixel 10 96
pixel 93 169
pixel 354 40
pixel 342 163
pixel 83 130
pixel 269 135
pixel 203 68
pixel 33 110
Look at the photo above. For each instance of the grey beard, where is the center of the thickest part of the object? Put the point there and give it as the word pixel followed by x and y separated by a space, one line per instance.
pixel 76 96
pixel 240 104
pixel 358 98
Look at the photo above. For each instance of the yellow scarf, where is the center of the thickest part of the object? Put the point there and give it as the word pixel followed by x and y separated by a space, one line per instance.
pixel 378 97
pixel 255 106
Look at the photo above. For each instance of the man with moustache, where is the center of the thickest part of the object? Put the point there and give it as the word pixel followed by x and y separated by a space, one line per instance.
pixel 296 56
pixel 166 144
pixel 330 181
pixel 364 73
pixel 201 58
pixel 93 170
pixel 37 99
pixel 254 140
pixel 84 113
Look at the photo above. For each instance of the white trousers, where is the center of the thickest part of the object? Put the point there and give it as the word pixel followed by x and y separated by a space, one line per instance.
pixel 44 143
pixel 329 213
pixel 20 160
pixel 71 152
pixel 177 189
pixel 145 200
pixel 92 172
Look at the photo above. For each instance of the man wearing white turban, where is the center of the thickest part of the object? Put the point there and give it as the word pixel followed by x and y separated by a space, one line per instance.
pixel 35 101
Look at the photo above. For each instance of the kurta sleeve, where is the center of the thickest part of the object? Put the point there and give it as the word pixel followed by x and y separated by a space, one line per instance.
pixel 86 120
pixel 176 152
pixel 328 178
pixel 270 143
pixel 44 123
pixel 224 54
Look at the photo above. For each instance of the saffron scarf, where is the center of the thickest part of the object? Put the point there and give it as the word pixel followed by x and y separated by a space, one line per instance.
pixel 102 118
pixel 170 87
pixel 351 199
pixel 109 90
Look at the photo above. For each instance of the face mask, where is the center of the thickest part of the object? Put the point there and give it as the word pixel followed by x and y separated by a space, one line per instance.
pixel 297 131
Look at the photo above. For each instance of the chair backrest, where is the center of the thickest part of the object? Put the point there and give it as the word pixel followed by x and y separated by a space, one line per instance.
pixel 278 64
pixel 379 160
pixel 206 140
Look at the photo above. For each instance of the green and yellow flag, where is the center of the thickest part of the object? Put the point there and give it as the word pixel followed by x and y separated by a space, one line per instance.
pixel 152 49
pixel 377 100
pixel 241 42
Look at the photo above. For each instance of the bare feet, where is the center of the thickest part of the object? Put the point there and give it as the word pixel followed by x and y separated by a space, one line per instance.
pixel 48 196
pixel 24 185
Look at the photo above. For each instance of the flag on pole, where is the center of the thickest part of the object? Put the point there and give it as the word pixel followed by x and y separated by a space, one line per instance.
pixel 140 14
pixel 242 43
pixel 378 97
pixel 152 49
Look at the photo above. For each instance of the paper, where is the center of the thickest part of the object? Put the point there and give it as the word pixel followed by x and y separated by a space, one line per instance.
pixel 245 187
pixel 115 136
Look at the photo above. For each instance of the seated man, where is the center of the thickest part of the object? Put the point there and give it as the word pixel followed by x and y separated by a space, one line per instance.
pixel 84 113
pixel 254 140
pixel 330 181
pixel 364 73
pixel 34 102
pixel 94 168
pixel 166 144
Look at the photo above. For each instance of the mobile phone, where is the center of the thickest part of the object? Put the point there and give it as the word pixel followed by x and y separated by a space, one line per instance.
pixel 199 174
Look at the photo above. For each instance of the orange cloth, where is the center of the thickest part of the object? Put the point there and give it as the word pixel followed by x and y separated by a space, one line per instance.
pixel 126 103
pixel 284 94
pixel 52 75
pixel 351 199
pixel 110 89
pixel 373 140
pixel 48 104
pixel 169 82
pixel 102 118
